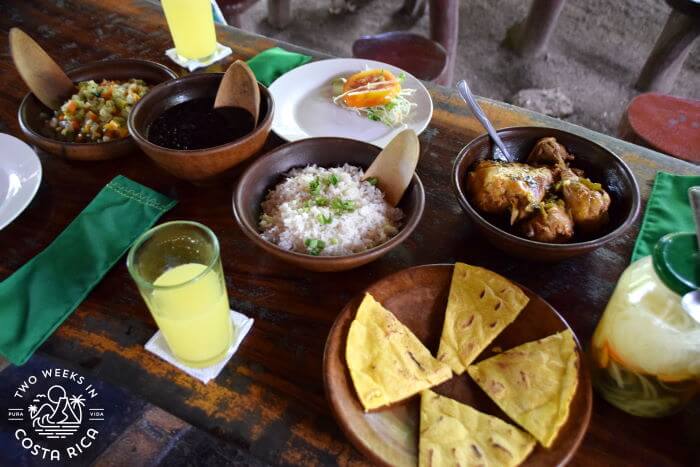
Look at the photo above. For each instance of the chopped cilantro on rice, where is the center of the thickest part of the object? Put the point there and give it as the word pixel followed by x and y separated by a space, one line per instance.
pixel 328 212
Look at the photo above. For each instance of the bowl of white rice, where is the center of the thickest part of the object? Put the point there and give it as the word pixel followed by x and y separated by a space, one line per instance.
pixel 307 203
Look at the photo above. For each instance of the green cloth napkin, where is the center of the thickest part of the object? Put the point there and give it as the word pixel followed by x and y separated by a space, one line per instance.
pixel 668 210
pixel 272 63
pixel 41 294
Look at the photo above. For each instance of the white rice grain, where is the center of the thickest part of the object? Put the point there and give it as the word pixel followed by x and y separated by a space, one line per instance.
pixel 344 215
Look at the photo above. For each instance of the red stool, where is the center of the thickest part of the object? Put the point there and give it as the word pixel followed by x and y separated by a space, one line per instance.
pixel 423 58
pixel 666 123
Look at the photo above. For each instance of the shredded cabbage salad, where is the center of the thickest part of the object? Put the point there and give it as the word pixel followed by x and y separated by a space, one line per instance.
pixel 392 114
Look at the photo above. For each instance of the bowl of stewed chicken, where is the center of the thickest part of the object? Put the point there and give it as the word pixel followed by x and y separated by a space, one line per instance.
pixel 562 195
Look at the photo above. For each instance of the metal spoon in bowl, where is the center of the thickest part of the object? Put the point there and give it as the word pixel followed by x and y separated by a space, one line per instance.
pixel 691 301
pixel 239 88
pixel 42 75
pixel 393 168
pixel 469 98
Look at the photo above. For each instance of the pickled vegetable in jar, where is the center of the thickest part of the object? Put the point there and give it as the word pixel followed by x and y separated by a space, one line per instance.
pixel 646 349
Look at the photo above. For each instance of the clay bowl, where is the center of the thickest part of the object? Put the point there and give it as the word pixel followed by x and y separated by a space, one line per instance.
pixel 197 165
pixel 599 164
pixel 266 172
pixel 32 122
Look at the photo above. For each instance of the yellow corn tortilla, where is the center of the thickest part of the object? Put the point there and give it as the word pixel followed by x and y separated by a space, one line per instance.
pixel 452 434
pixel 387 362
pixel 533 383
pixel 481 304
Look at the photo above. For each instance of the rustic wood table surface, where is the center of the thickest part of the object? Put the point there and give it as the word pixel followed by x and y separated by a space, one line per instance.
pixel 270 397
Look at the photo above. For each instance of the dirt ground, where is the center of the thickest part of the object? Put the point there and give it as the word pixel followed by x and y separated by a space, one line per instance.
pixel 595 55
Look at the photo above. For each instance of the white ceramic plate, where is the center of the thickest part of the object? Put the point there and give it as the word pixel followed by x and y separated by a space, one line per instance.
pixel 305 109
pixel 20 177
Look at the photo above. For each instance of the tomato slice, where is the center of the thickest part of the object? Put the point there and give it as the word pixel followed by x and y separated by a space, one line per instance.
pixel 372 88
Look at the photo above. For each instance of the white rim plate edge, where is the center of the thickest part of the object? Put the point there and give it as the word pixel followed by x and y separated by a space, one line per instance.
pixel 304 108
pixel 20 177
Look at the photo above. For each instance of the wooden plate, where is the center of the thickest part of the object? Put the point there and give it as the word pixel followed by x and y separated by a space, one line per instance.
pixel 418 297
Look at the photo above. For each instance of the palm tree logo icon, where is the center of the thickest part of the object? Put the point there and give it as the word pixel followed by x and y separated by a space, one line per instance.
pixel 77 401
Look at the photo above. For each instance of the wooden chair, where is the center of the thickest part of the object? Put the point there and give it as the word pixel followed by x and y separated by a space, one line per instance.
pixel 672 47
pixel 233 9
pixel 444 27
pixel 666 123
pixel 444 24
pixel 423 58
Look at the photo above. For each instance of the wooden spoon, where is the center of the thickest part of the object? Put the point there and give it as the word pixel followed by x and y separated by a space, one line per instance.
pixel 395 165
pixel 39 71
pixel 239 88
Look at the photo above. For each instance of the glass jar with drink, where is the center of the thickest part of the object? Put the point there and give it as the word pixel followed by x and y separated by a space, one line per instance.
pixel 646 349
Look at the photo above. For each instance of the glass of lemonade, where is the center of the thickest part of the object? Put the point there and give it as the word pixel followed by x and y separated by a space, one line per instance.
pixel 191 24
pixel 177 268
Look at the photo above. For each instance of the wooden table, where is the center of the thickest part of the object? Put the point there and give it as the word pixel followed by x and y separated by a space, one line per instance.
pixel 270 397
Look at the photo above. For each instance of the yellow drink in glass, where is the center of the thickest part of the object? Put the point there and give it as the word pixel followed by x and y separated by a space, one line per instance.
pixel 193 317
pixel 177 269
pixel 191 24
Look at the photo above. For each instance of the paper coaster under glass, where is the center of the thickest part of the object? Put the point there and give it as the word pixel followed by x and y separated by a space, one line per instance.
pixel 220 52
pixel 241 325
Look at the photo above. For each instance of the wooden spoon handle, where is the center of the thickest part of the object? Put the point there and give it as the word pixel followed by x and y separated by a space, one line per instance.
pixel 239 88
pixel 395 165
pixel 39 71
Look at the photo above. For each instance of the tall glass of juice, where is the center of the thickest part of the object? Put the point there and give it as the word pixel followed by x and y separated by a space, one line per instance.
pixel 177 268
pixel 191 24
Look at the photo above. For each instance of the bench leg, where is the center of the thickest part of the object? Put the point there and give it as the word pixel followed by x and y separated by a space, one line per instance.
pixel 444 26
pixel 279 13
pixel 529 38
pixel 233 19
pixel 413 8
pixel 669 53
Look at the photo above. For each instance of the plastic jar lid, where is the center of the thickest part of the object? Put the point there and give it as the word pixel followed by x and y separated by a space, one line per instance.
pixel 676 261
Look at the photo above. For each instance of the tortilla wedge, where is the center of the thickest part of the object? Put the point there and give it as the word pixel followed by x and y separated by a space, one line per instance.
pixel 452 433
pixel 533 383
pixel 386 360
pixel 481 304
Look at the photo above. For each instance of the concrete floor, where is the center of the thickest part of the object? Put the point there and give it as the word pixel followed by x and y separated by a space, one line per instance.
pixel 595 55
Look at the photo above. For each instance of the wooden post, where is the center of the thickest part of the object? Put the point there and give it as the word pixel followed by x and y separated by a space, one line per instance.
pixel 444 28
pixel 233 19
pixel 529 38
pixel 279 13
pixel 670 51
